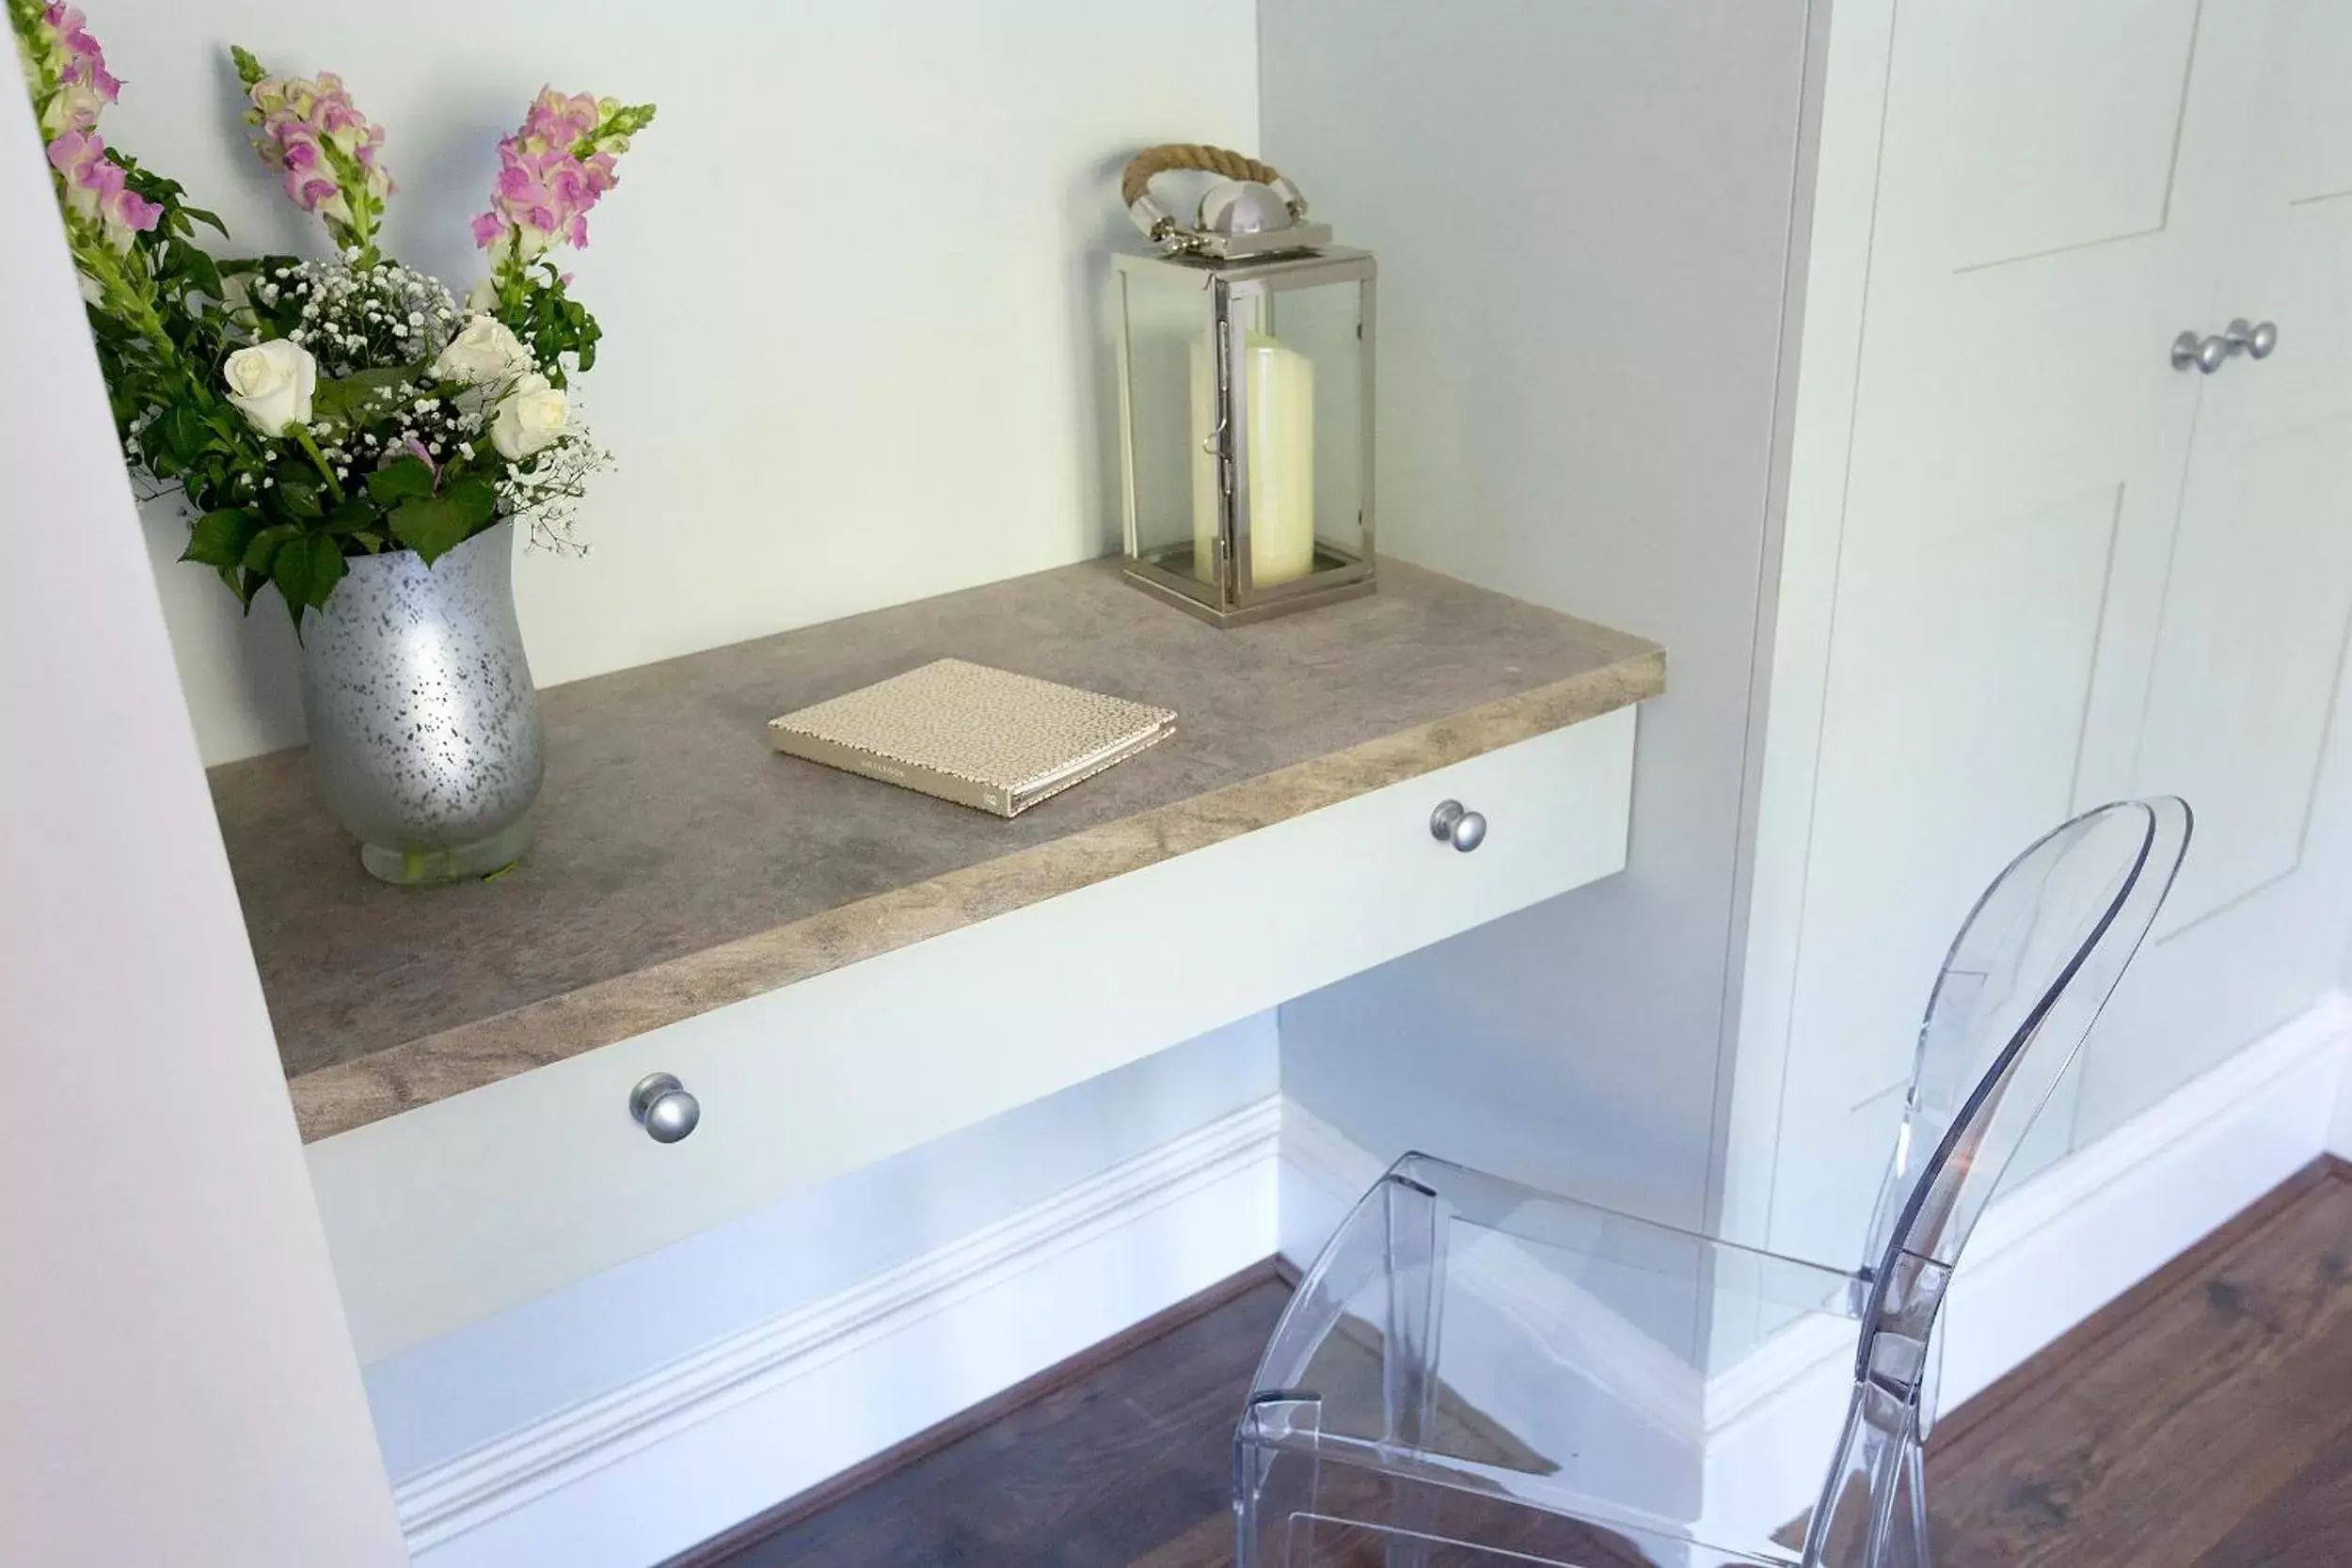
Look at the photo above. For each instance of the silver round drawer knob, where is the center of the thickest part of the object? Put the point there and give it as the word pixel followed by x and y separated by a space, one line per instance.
pixel 1450 824
pixel 2256 343
pixel 2192 353
pixel 663 1108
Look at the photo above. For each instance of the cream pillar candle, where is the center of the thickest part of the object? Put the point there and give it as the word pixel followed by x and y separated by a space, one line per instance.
pixel 1280 403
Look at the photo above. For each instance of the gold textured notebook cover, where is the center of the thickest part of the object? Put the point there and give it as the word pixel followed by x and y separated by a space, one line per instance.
pixel 977 736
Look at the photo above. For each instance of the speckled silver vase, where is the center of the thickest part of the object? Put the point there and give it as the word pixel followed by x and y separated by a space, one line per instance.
pixel 424 727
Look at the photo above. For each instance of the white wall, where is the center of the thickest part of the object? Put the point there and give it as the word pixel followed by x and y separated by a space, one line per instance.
pixel 848 283
pixel 177 1386
pixel 1583 216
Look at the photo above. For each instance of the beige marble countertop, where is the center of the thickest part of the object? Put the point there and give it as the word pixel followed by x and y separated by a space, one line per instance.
pixel 682 865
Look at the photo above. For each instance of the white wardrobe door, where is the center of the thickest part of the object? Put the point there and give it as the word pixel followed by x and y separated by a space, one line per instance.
pixel 2238 698
pixel 2044 226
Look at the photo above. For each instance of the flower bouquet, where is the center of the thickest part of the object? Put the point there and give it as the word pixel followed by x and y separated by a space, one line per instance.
pixel 338 426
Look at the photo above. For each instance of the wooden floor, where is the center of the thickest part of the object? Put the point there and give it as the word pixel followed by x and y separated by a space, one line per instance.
pixel 2202 1422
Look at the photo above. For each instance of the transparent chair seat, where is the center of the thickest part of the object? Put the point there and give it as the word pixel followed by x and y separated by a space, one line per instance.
pixel 1593 1373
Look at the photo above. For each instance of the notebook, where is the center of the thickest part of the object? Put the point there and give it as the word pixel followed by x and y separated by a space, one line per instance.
pixel 974 735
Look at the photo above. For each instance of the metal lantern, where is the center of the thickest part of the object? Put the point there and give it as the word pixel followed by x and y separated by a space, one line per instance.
pixel 1245 397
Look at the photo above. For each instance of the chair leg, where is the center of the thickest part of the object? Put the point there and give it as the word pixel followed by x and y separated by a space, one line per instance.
pixel 1861 1512
pixel 1931 1384
pixel 1409 1362
pixel 1909 1548
pixel 1272 1486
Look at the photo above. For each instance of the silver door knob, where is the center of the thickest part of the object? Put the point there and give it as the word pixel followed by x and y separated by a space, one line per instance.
pixel 663 1108
pixel 2255 342
pixel 2208 354
pixel 1450 824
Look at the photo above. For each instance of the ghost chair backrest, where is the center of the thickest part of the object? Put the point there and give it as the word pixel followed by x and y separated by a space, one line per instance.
pixel 2023 983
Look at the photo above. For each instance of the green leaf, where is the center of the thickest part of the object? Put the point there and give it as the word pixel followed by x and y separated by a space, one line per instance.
pixel 351 515
pixel 408 479
pixel 346 395
pixel 201 272
pixel 220 538
pixel 436 525
pixel 260 553
pixel 307 570
pixel 299 494
pixel 179 430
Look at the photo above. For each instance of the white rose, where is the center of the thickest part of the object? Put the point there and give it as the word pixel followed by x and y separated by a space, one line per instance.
pixel 482 352
pixel 271 384
pixel 528 418
pixel 482 296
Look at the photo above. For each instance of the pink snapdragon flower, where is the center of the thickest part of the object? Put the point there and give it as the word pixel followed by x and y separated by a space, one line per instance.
pixel 310 132
pixel 67 72
pixel 96 191
pixel 554 170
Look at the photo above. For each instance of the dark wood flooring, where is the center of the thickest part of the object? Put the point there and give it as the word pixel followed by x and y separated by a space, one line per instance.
pixel 2204 1420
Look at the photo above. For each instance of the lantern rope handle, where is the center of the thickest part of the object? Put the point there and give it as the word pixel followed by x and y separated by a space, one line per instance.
pixel 1175 155
pixel 1135 185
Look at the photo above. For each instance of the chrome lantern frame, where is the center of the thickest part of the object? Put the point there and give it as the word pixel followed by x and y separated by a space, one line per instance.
pixel 1230 285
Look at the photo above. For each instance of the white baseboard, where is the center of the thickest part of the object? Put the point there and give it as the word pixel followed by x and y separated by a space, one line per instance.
pixel 2043 1259
pixel 755 1418
pixel 2340 1135
pixel 726 1432
pixel 2081 1233
pixel 1323 1173
pixel 2076 1236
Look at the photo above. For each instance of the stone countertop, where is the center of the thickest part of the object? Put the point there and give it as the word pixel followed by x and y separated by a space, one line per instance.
pixel 682 865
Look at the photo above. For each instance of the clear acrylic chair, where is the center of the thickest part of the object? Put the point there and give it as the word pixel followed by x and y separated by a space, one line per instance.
pixel 1476 1374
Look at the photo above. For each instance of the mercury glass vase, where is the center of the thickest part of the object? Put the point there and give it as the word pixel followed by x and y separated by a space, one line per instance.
pixel 424 726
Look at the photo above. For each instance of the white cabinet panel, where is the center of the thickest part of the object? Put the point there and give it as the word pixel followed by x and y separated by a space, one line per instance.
pixel 2036 603
pixel 2312 40
pixel 2063 119
pixel 2246 665
pixel 2244 710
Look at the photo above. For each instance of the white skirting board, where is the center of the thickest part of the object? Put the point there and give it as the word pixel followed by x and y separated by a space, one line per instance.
pixel 2340 1137
pixel 672 1458
pixel 2084 1231
pixel 628 1478
pixel 2044 1259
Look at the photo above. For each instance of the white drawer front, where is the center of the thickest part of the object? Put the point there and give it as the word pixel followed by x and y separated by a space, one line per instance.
pixel 461 1208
